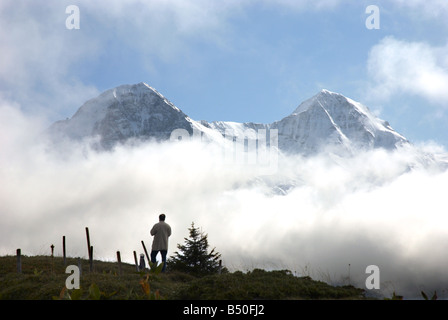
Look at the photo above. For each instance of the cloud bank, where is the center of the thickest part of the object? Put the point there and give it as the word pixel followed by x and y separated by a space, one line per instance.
pixel 378 208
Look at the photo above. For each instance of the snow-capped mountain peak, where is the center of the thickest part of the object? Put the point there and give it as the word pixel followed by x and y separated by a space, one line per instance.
pixel 351 121
pixel 127 111
pixel 139 111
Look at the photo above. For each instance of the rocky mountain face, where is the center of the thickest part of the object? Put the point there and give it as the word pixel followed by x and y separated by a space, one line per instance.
pixel 140 112
pixel 331 119
pixel 122 113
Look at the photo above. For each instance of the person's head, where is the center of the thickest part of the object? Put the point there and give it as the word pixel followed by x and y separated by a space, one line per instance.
pixel 162 217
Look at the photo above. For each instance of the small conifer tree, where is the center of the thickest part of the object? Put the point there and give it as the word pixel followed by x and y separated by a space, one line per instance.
pixel 193 256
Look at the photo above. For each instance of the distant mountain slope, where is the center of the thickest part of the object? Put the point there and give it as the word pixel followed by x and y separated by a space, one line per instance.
pixel 331 118
pixel 125 112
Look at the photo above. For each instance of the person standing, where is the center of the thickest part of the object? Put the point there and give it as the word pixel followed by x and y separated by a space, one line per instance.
pixel 161 231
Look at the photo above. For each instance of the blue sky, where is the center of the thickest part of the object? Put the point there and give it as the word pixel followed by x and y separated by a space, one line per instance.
pixel 232 60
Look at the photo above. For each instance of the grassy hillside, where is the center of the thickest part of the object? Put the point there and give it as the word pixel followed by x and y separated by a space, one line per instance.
pixel 43 278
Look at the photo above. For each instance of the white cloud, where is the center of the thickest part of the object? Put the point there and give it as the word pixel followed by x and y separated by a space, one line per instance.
pixel 38 57
pixel 415 68
pixel 425 8
pixel 41 58
pixel 42 61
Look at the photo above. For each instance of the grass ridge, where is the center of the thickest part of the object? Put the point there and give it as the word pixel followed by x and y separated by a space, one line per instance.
pixel 43 278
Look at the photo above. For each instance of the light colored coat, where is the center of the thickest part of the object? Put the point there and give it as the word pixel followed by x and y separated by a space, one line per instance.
pixel 161 231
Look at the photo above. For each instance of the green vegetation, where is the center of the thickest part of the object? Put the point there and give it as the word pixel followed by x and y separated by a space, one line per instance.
pixel 43 278
pixel 261 284
pixel 193 256
pixel 192 273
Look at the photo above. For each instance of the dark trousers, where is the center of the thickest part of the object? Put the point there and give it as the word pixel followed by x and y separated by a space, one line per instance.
pixel 154 257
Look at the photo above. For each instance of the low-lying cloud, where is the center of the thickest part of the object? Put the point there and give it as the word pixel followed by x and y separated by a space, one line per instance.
pixel 333 218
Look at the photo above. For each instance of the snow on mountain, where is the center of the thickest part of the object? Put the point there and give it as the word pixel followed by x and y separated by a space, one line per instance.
pixel 326 120
pixel 126 112
pixel 140 112
pixel 329 118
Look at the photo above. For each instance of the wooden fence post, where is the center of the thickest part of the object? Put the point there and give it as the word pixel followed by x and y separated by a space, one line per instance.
pixel 19 261
pixel 91 259
pixel 63 250
pixel 88 244
pixel 119 262
pixel 135 260
pixel 52 258
pixel 146 252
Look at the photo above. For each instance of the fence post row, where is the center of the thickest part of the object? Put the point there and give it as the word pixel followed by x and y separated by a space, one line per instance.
pixel 90 251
